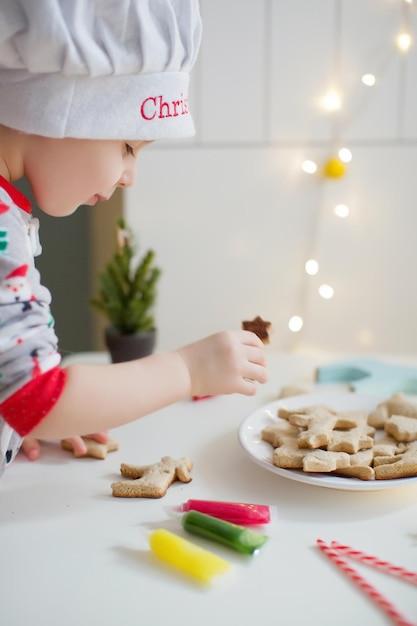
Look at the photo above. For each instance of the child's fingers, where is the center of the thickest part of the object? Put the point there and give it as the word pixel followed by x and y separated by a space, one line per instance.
pixel 255 373
pixel 247 387
pixel 32 448
pixel 78 445
pixel 100 437
pixel 255 355
pixel 250 339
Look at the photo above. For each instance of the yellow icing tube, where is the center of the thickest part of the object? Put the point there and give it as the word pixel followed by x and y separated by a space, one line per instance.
pixel 186 556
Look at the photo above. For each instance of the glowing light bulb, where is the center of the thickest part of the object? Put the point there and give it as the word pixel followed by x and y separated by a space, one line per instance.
pixel 345 155
pixel 295 324
pixel 331 101
pixel 334 168
pixel 404 41
pixel 369 80
pixel 309 167
pixel 312 267
pixel 326 291
pixel 341 210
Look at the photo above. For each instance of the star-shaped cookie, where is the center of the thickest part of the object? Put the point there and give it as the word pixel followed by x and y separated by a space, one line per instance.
pixel 260 327
pixel 95 449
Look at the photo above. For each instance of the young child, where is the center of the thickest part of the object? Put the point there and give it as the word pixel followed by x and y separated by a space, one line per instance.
pixel 84 86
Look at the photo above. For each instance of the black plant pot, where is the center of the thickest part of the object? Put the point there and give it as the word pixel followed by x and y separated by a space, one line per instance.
pixel 129 347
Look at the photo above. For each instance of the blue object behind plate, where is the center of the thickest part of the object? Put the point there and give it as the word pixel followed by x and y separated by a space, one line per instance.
pixel 370 377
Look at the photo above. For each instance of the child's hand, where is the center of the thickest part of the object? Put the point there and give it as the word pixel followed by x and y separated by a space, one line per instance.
pixel 32 447
pixel 228 362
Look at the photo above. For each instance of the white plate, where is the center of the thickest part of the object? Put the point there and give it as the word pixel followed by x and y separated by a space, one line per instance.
pixel 261 451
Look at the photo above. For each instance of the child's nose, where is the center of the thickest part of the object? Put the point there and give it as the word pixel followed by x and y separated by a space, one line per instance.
pixel 128 178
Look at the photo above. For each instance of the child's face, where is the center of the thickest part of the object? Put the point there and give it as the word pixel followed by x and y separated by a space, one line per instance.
pixel 66 173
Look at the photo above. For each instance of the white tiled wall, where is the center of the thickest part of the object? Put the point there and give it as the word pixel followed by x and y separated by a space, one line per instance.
pixel 230 213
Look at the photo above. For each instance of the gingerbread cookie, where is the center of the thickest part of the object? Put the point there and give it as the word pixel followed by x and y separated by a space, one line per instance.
pixel 397 404
pixel 286 413
pixel 290 456
pixel 294 390
pixel 319 426
pixel 398 466
pixel 357 444
pixel 275 433
pixel 353 440
pixel 360 466
pixel 402 428
pixel 325 461
pixel 152 481
pixel 387 446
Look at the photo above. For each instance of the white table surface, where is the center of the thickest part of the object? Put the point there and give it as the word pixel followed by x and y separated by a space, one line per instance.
pixel 73 554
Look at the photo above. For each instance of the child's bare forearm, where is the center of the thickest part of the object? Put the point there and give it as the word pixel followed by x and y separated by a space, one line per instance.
pixel 100 397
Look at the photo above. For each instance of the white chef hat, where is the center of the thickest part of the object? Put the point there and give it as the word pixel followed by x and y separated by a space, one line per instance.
pixel 98 69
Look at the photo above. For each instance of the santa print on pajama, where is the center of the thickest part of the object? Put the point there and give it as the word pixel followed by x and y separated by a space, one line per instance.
pixel 31 379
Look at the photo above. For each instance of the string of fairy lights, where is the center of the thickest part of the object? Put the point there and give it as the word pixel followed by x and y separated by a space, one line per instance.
pixel 336 165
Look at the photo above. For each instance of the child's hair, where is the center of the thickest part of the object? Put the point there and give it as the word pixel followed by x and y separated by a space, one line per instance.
pixel 98 69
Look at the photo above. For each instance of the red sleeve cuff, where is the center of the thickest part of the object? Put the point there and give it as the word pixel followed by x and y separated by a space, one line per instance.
pixel 26 408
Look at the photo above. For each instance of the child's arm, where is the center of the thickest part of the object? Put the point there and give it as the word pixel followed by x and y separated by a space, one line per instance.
pixel 99 397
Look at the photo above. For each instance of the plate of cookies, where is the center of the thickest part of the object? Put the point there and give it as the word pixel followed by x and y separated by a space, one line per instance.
pixel 339 440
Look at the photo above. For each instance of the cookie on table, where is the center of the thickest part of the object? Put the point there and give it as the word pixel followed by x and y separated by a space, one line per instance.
pixel 294 390
pixel 152 481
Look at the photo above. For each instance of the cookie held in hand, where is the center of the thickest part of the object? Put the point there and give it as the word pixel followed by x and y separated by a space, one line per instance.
pixel 260 327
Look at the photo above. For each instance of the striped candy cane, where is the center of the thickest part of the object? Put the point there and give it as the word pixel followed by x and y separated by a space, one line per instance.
pixel 374 561
pixel 363 584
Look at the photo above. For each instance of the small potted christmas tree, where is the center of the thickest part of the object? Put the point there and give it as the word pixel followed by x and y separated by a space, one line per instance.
pixel 127 294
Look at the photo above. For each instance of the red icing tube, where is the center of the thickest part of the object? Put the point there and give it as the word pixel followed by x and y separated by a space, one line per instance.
pixel 241 513
pixel 197 398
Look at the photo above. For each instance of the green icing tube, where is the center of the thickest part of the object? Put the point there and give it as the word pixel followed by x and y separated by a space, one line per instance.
pixel 236 537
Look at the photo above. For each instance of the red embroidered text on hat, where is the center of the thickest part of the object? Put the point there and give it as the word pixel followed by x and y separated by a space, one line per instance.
pixel 98 69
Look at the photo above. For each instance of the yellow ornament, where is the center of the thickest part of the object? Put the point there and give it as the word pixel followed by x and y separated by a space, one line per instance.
pixel 334 168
